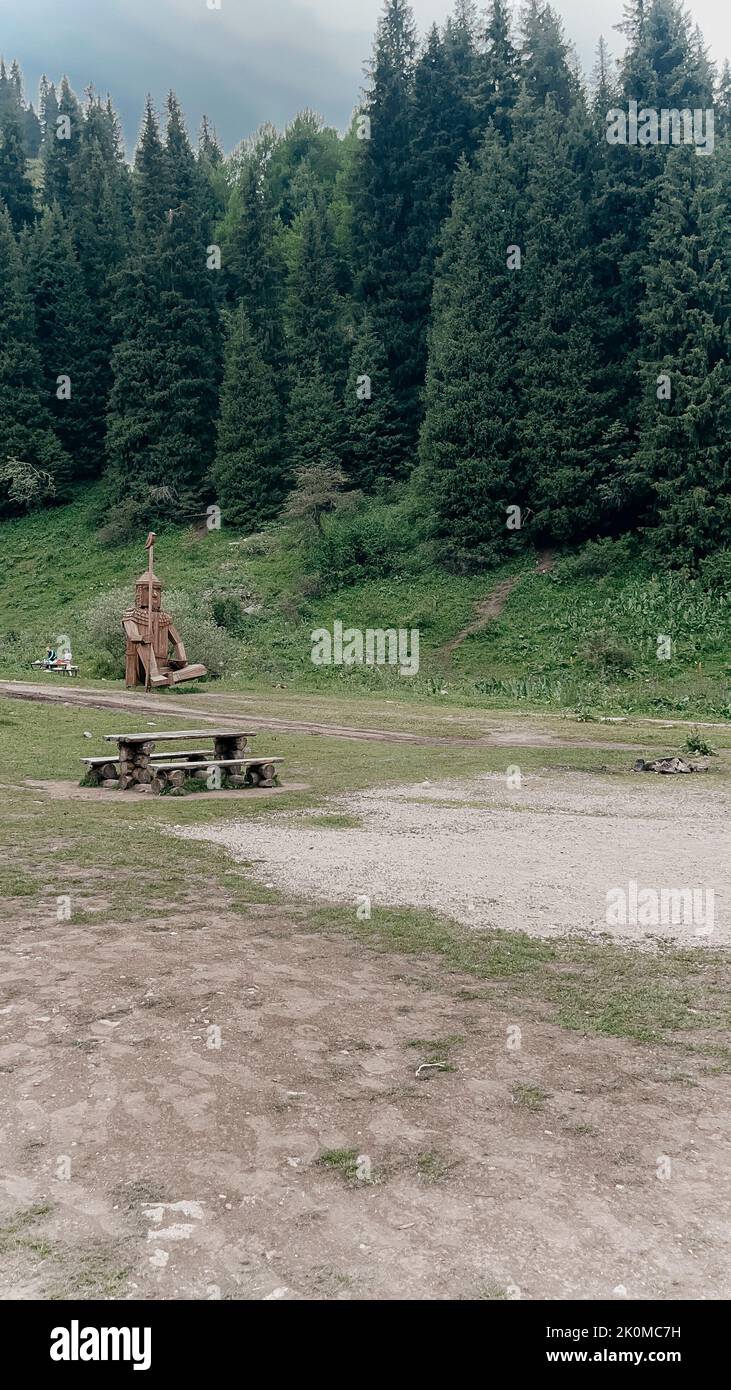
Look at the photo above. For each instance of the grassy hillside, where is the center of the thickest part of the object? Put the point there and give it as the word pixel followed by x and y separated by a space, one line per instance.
pixel 572 638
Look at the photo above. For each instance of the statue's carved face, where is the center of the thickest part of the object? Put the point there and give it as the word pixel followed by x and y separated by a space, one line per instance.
pixel 142 594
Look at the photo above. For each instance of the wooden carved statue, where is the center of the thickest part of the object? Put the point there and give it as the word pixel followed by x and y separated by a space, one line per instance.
pixel 151 633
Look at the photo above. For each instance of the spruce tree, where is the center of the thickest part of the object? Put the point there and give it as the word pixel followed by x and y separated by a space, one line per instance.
pixel 26 433
pixel 373 429
pixel 659 69
pixel 16 190
pixel 564 413
pixel 313 301
pixel 100 218
pixel 61 142
pixel 64 325
pixel 684 451
pixel 723 101
pixel 248 474
pixel 253 266
pixel 442 134
pixel 497 76
pixel 388 241
pixel 314 420
pixel 166 364
pixel 472 467
pixel 546 66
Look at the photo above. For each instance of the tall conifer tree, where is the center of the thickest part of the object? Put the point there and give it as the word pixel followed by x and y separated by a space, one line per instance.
pixel 26 433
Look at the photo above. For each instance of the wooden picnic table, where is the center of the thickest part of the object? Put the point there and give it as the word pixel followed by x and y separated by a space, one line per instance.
pixel 136 750
pixel 140 766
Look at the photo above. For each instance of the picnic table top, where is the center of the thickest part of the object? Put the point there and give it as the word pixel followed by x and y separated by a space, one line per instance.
pixel 152 735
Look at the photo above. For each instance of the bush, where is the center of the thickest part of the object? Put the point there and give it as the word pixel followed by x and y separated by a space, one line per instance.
pixel 695 743
pixel 228 613
pixel 374 541
pixel 715 572
pixel 607 656
pixel 203 639
pixel 598 559
pixel 125 519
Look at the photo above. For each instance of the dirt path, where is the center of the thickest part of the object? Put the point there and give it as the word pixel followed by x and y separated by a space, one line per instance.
pixel 208 712
pixel 490 608
pixel 140 1159
pixel 485 612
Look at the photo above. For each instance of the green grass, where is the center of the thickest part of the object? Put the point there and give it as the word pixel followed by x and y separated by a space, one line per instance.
pixel 432 1166
pixel 529 1097
pixel 15 1234
pixel 344 1162
pixel 562 642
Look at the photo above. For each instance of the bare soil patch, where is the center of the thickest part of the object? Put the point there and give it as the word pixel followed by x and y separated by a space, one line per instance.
pixel 139 1160
pixel 539 858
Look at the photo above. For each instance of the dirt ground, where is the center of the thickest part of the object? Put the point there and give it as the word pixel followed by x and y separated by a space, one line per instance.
pixel 139 1158
pixel 539 855
pixel 215 1103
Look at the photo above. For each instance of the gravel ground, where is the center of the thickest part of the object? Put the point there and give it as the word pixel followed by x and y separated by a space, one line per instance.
pixel 539 858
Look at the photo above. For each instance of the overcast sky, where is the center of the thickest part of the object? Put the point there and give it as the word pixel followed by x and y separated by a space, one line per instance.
pixel 252 60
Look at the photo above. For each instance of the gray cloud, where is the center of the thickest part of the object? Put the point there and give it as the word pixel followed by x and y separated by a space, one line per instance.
pixel 250 61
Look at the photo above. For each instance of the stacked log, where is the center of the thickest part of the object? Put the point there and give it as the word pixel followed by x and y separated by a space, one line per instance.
pixel 134 769
pixel 230 747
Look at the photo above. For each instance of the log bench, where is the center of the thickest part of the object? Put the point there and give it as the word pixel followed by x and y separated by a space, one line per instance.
pixel 137 767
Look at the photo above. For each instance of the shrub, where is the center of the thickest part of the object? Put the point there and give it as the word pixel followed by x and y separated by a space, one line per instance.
pixel 695 743
pixel 715 572
pixel 598 559
pixel 373 541
pixel 606 655
pixel 204 640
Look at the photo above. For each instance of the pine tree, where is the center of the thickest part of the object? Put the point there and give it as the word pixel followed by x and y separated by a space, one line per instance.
pixel 684 450
pixel 314 420
pixel 389 242
pixel 442 134
pixel 723 101
pixel 471 462
pixel 313 300
pixel 166 365
pixel 496 87
pixel 26 434
pixel 546 66
pixel 16 190
pixel 63 322
pixel 61 143
pixel 564 410
pixel 253 267
pixel 373 426
pixel 248 474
